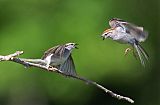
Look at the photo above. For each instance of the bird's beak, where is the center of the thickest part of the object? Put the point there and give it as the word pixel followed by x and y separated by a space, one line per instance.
pixel 106 33
pixel 103 36
pixel 76 45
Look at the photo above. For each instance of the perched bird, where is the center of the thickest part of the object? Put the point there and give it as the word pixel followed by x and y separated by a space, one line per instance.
pixel 60 57
pixel 128 33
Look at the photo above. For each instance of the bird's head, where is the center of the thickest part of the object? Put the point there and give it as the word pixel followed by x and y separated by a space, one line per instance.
pixel 107 33
pixel 71 46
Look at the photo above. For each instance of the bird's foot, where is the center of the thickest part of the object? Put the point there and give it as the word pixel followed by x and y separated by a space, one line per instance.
pixel 51 68
pixel 131 49
pixel 127 51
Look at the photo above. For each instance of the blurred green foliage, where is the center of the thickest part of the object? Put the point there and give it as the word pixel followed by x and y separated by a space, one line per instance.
pixel 36 25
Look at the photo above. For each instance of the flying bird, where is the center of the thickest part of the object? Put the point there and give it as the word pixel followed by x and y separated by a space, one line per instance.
pixel 60 57
pixel 128 33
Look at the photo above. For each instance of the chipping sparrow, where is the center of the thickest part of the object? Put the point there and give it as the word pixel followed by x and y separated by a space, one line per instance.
pixel 127 33
pixel 60 57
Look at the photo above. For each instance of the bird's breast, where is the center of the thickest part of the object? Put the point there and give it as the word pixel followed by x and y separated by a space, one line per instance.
pixel 122 37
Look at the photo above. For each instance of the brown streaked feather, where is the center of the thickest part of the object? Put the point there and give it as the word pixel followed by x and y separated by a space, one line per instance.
pixel 57 50
pixel 133 27
pixel 108 30
pixel 136 31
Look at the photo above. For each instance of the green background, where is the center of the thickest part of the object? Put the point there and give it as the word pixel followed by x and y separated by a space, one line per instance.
pixel 36 25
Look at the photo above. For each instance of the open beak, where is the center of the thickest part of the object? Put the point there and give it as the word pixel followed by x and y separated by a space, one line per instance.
pixel 103 37
pixel 76 46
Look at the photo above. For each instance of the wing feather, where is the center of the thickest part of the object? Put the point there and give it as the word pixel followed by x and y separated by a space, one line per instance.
pixel 56 51
pixel 68 67
pixel 136 31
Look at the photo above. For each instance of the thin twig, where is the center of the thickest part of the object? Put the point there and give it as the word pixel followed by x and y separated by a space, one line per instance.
pixel 41 64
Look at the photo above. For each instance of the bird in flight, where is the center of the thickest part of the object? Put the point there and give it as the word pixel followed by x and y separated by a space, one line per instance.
pixel 128 33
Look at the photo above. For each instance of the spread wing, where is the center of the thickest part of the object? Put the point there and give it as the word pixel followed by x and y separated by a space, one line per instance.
pixel 136 31
pixel 68 67
pixel 56 51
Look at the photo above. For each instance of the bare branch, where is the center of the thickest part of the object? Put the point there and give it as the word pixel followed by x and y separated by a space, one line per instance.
pixel 8 57
pixel 42 64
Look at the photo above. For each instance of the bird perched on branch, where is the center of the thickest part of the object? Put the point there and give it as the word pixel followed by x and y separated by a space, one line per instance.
pixel 128 33
pixel 60 57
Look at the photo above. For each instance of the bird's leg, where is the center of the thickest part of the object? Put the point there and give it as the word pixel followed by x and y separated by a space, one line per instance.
pixel 48 60
pixel 127 50
pixel 48 65
pixel 131 49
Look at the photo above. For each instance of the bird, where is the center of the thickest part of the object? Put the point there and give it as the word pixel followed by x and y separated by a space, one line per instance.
pixel 60 57
pixel 127 33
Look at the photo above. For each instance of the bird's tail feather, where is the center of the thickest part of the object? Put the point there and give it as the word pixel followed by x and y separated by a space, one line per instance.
pixel 143 56
pixel 144 52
